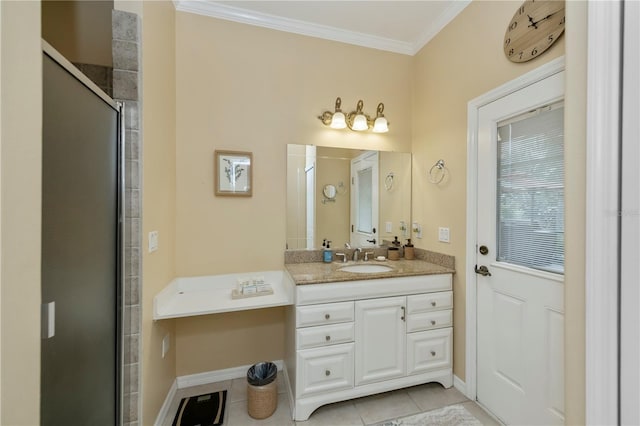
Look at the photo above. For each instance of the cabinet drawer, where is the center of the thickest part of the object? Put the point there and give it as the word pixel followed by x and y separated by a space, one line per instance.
pixel 429 320
pixel 429 302
pixel 429 350
pixel 324 369
pixel 311 337
pixel 329 313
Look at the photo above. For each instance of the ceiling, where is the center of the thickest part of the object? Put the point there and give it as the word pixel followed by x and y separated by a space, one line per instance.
pixel 395 26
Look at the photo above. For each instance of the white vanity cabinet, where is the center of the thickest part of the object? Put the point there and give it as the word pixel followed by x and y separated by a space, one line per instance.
pixel 356 338
pixel 380 339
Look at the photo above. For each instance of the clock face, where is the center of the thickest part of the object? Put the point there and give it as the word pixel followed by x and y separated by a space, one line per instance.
pixel 535 26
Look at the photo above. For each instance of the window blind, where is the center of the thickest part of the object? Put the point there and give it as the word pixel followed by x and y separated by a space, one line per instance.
pixel 530 190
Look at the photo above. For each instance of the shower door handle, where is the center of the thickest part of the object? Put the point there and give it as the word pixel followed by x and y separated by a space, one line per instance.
pixel 48 320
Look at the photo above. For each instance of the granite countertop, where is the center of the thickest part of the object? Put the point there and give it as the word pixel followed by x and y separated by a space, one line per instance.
pixel 319 272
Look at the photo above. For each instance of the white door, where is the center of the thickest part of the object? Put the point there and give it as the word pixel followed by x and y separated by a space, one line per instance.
pixel 520 243
pixel 380 339
pixel 364 200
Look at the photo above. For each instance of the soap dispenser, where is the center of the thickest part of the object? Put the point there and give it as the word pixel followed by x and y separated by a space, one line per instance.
pixel 327 254
pixel 408 250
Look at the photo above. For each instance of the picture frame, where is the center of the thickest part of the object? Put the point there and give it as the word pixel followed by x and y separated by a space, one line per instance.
pixel 233 173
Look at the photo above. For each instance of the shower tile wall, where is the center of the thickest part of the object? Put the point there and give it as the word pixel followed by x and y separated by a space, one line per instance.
pixel 102 76
pixel 126 88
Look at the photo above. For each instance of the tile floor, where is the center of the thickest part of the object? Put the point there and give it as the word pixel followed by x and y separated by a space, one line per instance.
pixel 362 411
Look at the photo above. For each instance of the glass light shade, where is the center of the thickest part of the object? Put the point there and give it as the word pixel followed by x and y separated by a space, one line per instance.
pixel 338 121
pixel 360 123
pixel 380 125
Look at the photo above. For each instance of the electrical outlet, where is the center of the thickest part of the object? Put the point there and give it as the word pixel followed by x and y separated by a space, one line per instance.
pixel 166 344
pixel 153 241
pixel 388 227
pixel 443 235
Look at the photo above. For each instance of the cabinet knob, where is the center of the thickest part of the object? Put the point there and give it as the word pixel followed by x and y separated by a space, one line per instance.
pixel 433 303
pixel 433 353
pixel 327 372
pixel 433 322
pixel 327 338
pixel 327 316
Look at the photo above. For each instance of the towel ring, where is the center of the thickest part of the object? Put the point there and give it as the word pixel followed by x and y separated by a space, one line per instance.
pixel 435 170
pixel 388 181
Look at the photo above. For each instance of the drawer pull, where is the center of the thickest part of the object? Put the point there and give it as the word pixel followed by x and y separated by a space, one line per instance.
pixel 327 372
pixel 327 338
pixel 403 313
pixel 433 322
pixel 327 316
pixel 433 353
pixel 433 303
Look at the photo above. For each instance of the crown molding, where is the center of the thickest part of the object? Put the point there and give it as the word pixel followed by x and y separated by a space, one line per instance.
pixel 443 20
pixel 244 16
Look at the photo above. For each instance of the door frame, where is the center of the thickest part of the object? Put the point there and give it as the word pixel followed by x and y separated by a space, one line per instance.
pixel 553 67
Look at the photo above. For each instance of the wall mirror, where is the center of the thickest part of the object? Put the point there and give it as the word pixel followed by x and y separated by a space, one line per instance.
pixel 365 210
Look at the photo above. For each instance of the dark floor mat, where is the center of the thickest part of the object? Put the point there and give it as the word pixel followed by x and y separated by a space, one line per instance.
pixel 201 410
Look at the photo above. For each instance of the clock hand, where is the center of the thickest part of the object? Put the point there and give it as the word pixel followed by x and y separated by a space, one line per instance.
pixel 540 20
pixel 532 24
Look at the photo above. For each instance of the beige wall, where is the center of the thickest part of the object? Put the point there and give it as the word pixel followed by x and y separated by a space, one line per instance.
pixel 395 203
pixel 80 30
pixel 252 89
pixel 214 342
pixel 461 63
pixel 159 203
pixel 21 192
pixel 575 208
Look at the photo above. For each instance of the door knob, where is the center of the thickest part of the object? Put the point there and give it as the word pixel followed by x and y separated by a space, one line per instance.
pixel 483 250
pixel 483 270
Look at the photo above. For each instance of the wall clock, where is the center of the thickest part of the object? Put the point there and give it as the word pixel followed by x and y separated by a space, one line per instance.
pixel 535 26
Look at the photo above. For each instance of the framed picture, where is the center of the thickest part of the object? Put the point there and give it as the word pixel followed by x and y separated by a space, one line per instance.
pixel 233 173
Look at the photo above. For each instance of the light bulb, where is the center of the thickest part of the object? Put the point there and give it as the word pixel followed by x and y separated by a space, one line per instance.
pixel 360 123
pixel 380 125
pixel 338 121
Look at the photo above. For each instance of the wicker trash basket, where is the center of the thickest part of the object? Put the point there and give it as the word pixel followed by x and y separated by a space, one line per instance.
pixel 262 401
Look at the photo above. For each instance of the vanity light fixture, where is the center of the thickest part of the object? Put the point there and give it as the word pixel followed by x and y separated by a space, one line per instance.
pixel 356 120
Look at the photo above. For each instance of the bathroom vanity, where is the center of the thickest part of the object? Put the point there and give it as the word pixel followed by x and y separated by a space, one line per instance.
pixel 355 334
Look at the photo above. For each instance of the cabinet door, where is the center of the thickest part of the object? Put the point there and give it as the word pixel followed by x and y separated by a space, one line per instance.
pixel 380 339
pixel 429 350
pixel 324 369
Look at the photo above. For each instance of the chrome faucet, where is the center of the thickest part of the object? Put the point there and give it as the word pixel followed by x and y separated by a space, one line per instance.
pixel 344 257
pixel 355 253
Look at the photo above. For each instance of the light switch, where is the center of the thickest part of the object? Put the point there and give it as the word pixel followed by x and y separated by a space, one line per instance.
pixel 153 241
pixel 443 235
pixel 388 227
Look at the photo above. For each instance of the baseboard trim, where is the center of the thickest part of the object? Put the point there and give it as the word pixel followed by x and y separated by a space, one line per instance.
pixel 460 385
pixel 164 410
pixel 217 375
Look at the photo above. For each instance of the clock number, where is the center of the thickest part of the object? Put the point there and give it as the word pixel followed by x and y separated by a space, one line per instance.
pixel 550 38
pixel 513 25
pixel 507 42
pixel 521 53
pixel 562 20
pixel 534 52
pixel 521 10
pixel 511 52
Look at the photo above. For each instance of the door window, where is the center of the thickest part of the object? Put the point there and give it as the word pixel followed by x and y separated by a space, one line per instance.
pixel 530 189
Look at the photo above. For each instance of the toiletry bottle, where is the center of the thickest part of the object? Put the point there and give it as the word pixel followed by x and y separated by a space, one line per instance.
pixel 408 250
pixel 327 254
pixel 393 253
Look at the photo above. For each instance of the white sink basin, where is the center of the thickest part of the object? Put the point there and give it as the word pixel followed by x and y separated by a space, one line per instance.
pixel 366 269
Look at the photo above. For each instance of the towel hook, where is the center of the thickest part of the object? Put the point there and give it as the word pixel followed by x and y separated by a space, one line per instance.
pixel 388 181
pixel 435 170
